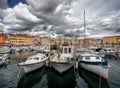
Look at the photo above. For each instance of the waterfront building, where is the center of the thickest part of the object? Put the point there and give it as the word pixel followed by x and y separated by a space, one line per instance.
pixel 98 41
pixel 53 41
pixel 31 40
pixel 110 40
pixel 86 41
pixel 18 39
pixel 35 40
pixel 60 41
pixel 90 41
pixel 45 40
pixel 81 41
pixel 2 38
pixel 75 41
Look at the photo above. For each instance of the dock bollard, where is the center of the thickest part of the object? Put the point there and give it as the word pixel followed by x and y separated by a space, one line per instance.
pixel 76 65
pixel 76 69
pixel 47 64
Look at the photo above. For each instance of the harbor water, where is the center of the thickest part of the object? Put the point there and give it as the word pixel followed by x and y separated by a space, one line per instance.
pixel 48 78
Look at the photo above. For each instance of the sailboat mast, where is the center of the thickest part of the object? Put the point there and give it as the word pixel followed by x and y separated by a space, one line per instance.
pixel 84 29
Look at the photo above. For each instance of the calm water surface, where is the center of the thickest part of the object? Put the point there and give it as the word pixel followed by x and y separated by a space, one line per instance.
pixel 48 78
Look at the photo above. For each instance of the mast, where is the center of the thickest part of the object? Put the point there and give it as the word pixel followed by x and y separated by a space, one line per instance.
pixel 84 31
pixel 84 28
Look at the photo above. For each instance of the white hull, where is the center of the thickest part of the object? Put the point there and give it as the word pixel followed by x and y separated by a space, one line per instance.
pixel 32 67
pixel 96 69
pixel 4 52
pixel 61 67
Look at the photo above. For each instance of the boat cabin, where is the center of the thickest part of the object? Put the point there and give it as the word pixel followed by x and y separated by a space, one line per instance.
pixel 66 52
pixel 109 50
pixel 90 57
pixel 36 58
pixel 63 55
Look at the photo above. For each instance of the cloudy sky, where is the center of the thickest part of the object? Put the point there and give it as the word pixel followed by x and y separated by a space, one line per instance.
pixel 60 17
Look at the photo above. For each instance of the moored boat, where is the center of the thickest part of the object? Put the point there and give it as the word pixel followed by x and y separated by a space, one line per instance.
pixel 93 61
pixel 61 81
pixel 5 50
pixel 109 51
pixel 62 60
pixel 4 60
pixel 34 62
pixel 95 64
pixel 30 80
pixel 2 63
pixel 92 80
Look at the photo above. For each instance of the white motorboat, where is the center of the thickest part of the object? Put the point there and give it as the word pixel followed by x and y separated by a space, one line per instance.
pixel 95 64
pixel 4 60
pixel 2 63
pixel 44 49
pixel 47 49
pixel 109 51
pixel 62 60
pixel 5 50
pixel 34 62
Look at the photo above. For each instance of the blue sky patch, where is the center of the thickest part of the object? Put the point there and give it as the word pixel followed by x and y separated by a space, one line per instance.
pixel 12 3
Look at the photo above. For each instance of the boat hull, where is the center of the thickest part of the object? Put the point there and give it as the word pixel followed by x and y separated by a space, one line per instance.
pixel 101 71
pixel 4 52
pixel 2 64
pixel 32 67
pixel 61 67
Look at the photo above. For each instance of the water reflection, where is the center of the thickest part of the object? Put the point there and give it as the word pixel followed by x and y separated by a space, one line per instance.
pixel 29 80
pixel 61 81
pixel 92 80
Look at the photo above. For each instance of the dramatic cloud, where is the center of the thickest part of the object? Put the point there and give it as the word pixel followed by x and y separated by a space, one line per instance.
pixel 61 17
pixel 108 24
pixel 54 12
pixel 47 12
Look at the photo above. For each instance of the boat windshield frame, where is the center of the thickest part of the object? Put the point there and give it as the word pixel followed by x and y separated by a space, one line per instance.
pixel 91 57
pixel 39 56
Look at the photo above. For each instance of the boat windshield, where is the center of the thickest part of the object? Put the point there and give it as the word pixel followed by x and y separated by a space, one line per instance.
pixel 30 58
pixel 33 58
pixel 66 50
pixel 36 58
pixel 91 57
pixel 69 50
pixel 42 57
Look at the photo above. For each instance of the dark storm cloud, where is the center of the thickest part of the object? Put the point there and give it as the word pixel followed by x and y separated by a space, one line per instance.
pixel 3 4
pixel 117 30
pixel 73 33
pixel 51 11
